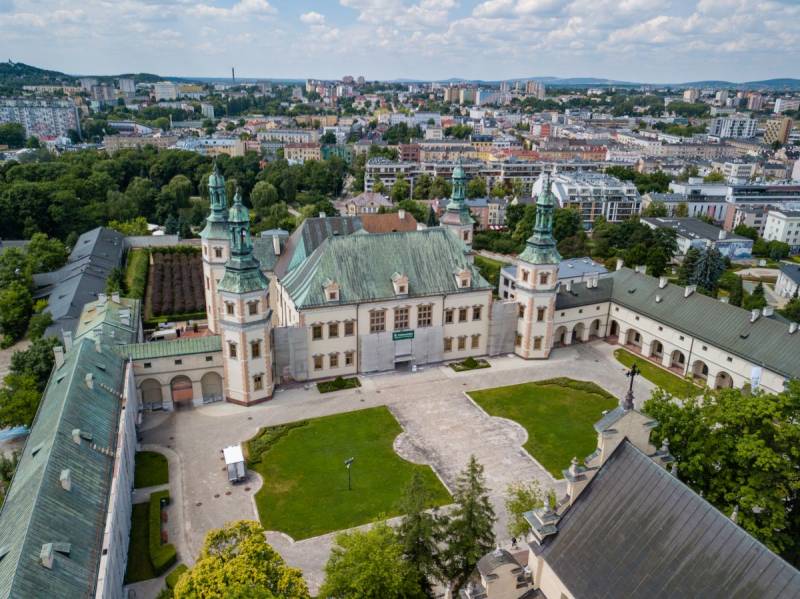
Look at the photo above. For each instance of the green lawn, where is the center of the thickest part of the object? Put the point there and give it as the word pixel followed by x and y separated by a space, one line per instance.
pixel 151 469
pixel 139 566
pixel 489 269
pixel 305 481
pixel 671 383
pixel 136 273
pixel 558 414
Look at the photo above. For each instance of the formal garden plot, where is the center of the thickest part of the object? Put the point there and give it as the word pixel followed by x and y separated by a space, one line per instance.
pixel 175 285
pixel 558 414
pixel 305 491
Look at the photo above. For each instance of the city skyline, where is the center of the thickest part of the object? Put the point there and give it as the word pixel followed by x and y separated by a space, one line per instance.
pixel 635 40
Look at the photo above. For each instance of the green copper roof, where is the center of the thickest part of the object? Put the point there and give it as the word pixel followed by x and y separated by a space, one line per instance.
pixel 457 211
pixel 216 223
pixel 540 248
pixel 175 347
pixel 363 265
pixel 118 322
pixel 242 270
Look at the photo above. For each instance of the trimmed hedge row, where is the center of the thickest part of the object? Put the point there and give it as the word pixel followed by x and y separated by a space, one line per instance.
pixel 162 556
pixel 174 576
pixel 338 384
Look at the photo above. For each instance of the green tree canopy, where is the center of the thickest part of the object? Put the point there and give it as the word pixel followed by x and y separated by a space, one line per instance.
pixel 12 135
pixel 476 187
pixel 16 307
pixel 263 196
pixel 19 398
pixel 522 497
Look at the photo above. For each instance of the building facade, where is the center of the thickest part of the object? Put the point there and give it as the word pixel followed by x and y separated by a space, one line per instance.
pixel 784 226
pixel 41 117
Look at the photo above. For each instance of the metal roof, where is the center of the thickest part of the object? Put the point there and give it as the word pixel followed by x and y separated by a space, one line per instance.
pixel 791 270
pixel 174 347
pixel 637 531
pixel 311 233
pixel 363 266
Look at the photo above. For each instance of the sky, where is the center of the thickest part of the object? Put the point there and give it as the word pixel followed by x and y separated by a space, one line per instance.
pixel 657 41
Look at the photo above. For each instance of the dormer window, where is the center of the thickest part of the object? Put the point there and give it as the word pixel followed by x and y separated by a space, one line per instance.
pixel 331 291
pixel 464 278
pixel 400 283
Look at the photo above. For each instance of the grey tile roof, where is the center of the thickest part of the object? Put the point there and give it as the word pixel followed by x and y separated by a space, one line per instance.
pixel 691 228
pixel 766 342
pixel 791 270
pixel 637 531
pixel 363 266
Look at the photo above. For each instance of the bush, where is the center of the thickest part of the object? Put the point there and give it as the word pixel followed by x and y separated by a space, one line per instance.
pixel 585 386
pixel 162 556
pixel 175 575
pixel 266 438
pixel 338 384
pixel 136 273
pixel 469 364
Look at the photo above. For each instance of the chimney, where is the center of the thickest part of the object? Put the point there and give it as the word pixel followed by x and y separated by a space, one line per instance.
pixel 322 215
pixel 89 379
pixel 620 263
pixel 58 352
pixel 569 285
pixel 725 300
pixel 641 269
pixel 689 290
pixel 102 298
pixel 276 245
pixel 723 234
pixel 401 214
pixel 97 346
pixel 76 435
pixel 46 556
pixel 792 327
pixel 754 314
pixel 65 479
pixel 593 281
pixel 658 299
pixel 662 282
pixel 767 311
pixel 115 297
pixel 67 340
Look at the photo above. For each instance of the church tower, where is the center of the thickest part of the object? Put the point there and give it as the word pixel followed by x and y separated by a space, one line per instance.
pixel 244 318
pixel 537 282
pixel 215 241
pixel 456 216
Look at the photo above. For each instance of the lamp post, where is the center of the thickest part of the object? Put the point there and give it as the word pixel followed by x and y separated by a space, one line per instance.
pixel 627 403
pixel 347 463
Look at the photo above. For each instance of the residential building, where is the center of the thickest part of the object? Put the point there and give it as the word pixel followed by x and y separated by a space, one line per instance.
pixel 207 110
pixel 786 105
pixel 104 93
pixel 783 226
pixel 778 130
pixel 698 234
pixel 691 95
pixel 408 152
pixel 788 283
pixel 738 172
pixel 41 117
pixel 755 101
pixel 165 90
pixel 733 126
pixel 115 143
pixel 343 151
pixel 127 86
pixel 289 136
pixel 535 89
pixel 754 217
pixel 594 195
pixel 300 152
pixel 368 202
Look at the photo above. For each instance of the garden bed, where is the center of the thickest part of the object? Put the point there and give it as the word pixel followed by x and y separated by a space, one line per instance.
pixel 338 384
pixel 175 285
pixel 469 364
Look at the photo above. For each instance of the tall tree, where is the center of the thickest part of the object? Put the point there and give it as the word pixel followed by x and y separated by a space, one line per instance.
pixel 16 307
pixel 401 190
pixel 19 398
pixel 469 531
pixel 520 498
pixel 686 271
pixel 263 196
pixel 46 254
pixel 682 210
pixel 756 300
pixel 736 292
pixel 237 561
pixel 566 223
pixel 370 565
pixel 709 268
pixel 476 187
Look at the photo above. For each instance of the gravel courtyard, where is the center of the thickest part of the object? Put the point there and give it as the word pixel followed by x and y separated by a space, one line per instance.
pixel 442 427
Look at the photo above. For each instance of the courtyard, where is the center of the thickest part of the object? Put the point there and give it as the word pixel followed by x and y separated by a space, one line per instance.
pixel 439 426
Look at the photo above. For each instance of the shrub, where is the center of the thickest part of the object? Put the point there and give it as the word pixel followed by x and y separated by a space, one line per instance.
pixel 266 438
pixel 338 384
pixel 469 364
pixel 162 556
pixel 175 575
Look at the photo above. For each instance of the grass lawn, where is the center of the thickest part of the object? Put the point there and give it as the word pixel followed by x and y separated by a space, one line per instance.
pixel 139 566
pixel 489 269
pixel 557 413
pixel 151 469
pixel 671 383
pixel 305 481
pixel 136 273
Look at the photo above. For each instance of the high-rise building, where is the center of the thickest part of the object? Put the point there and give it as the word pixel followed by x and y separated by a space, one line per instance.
pixel 733 126
pixel 127 85
pixel 207 110
pixel 87 83
pixel 691 95
pixel 535 89
pixel 504 87
pixel 755 101
pixel 721 97
pixel 103 93
pixel 778 130
pixel 41 117
pixel 165 90
pixel 466 95
pixel 786 104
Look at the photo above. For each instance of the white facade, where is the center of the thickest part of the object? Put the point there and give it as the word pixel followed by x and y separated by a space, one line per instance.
pixel 784 226
pixel 732 126
pixel 165 90
pixel 41 117
pixel 594 195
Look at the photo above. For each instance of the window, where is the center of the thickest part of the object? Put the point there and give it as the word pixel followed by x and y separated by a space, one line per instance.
pixel 681 337
pixel 525 275
pixel 208 283
pixel 462 342
pixel 521 311
pixel 730 359
pixel 377 321
pixel 465 282
pixel 218 252
pixel 229 308
pixel 448 316
pixel 349 328
pixel 580 311
pixel 400 319
pixel 209 358
pixel 148 365
pixel 544 278
pixel 518 340
pixel 476 341
pixel 258 382
pixel 348 358
pixel 705 348
pixel 637 318
pixel 424 316
pixel 660 328
pixel 476 312
pixel 252 308
pixel 448 344
pixel 333 295
pixel 255 349
pixel 540 313
pixel 231 349
pixel 316 332
pixel 462 315
pixel 537 343
pixel 334 360
pixel 178 362
pixel 401 289
pixel 317 362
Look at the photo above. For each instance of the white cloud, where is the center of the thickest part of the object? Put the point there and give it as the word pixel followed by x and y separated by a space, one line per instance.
pixel 312 18
pixel 240 10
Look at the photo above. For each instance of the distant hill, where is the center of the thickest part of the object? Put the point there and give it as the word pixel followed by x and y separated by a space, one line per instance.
pixel 16 74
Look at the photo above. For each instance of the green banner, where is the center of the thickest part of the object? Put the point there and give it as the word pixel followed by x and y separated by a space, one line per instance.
pixel 398 335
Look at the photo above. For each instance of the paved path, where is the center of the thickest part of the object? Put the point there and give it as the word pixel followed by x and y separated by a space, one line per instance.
pixel 441 425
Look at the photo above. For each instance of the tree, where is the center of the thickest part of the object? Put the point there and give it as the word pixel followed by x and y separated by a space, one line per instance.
pixel 739 449
pixel 36 361
pixel 8 464
pixel 778 250
pixel 566 223
pixel 469 531
pixel 714 177
pixel 440 188
pixel 39 323
pixel 370 565
pixel 521 498
pixel 736 292
pixel 792 309
pixel 655 209
pixel 415 209
pixel 115 280
pixel 130 228
pixel 237 561
pixel 431 221
pixel 756 300
pixel 422 187
pixel 476 187
pixel 16 306
pixel 12 135
pixel 687 268
pixel 401 190
pixel 420 532
pixel 745 231
pixel 499 191
pixel 263 196
pixel 46 254
pixel 709 268
pixel 682 210
pixel 328 138
pixel 19 398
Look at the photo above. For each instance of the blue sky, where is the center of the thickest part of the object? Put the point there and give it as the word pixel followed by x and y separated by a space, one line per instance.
pixel 638 40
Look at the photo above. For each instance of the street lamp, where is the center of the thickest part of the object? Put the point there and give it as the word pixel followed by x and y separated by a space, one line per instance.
pixel 627 403
pixel 347 463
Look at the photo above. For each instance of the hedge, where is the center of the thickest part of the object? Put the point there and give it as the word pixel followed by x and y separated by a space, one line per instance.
pixel 136 273
pixel 174 576
pixel 161 556
pixel 338 384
